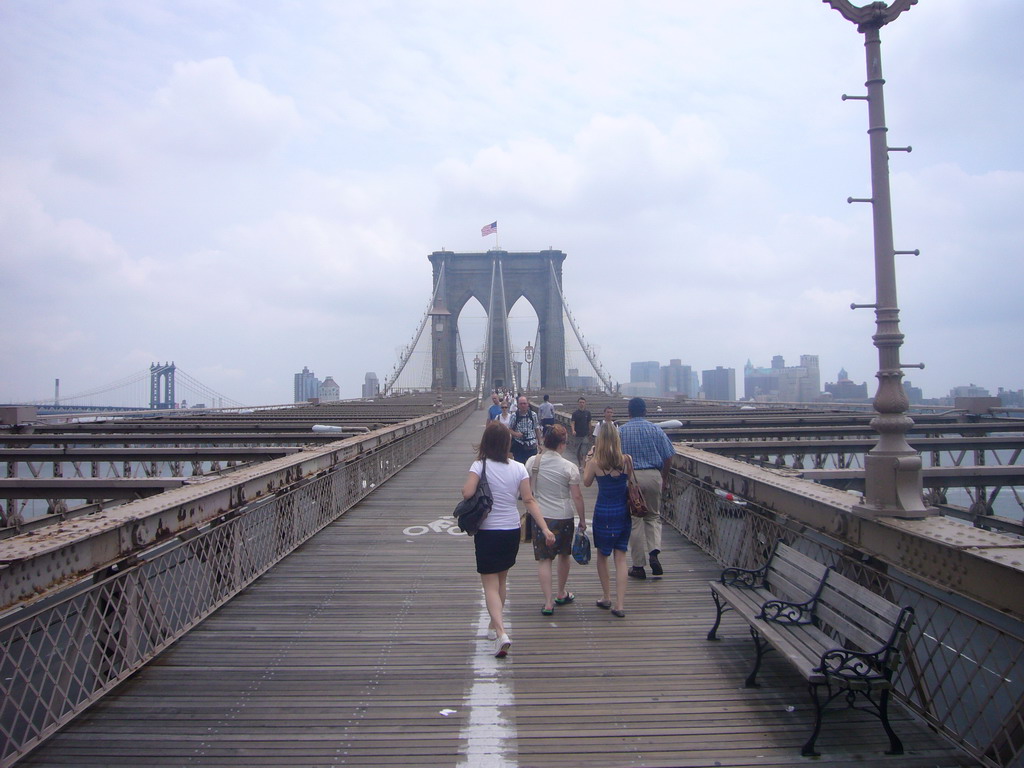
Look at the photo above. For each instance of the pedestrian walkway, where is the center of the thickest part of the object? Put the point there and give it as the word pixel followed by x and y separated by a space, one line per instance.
pixel 366 647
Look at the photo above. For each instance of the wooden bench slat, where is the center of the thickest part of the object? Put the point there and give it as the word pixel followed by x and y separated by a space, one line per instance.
pixel 863 597
pixel 865 639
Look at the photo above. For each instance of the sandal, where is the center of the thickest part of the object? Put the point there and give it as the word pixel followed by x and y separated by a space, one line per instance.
pixel 547 611
pixel 617 612
pixel 569 597
pixel 606 604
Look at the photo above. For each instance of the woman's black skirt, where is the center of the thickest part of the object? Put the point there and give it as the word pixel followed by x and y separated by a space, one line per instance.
pixel 496 550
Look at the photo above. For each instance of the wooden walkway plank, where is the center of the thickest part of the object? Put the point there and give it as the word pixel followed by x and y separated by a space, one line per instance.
pixel 366 647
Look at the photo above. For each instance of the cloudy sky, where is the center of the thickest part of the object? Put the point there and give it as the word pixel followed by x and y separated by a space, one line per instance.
pixel 247 188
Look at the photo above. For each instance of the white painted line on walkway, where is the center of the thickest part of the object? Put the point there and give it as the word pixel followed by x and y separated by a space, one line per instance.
pixel 488 736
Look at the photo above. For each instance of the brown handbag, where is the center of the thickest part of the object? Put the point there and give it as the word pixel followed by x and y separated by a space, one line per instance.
pixel 635 497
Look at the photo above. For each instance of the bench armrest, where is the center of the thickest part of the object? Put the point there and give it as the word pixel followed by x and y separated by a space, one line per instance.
pixel 743 577
pixel 782 612
pixel 853 666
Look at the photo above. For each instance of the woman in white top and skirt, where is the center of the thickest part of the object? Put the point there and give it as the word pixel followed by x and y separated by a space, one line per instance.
pixel 497 541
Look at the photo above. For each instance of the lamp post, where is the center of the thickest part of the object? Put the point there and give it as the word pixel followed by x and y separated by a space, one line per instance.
pixel 892 469
pixel 528 356
pixel 478 366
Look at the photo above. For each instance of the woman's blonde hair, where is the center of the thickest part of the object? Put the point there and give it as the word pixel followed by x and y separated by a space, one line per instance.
pixel 608 449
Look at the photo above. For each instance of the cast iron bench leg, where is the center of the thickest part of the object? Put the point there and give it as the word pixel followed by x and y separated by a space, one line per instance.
pixel 895 745
pixel 718 618
pixel 808 749
pixel 761 647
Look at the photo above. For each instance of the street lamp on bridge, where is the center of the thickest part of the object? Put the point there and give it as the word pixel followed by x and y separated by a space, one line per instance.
pixel 893 485
pixel 528 353
pixel 478 365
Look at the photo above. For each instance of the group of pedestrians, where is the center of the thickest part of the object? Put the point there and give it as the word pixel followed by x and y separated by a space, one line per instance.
pixel 549 485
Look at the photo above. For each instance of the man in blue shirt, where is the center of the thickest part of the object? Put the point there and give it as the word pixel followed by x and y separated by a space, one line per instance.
pixel 652 454
pixel 495 410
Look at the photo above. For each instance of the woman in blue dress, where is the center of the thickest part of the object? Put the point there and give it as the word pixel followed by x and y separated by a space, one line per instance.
pixel 610 525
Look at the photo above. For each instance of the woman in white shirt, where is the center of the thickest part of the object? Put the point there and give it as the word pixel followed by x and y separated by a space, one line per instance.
pixel 556 486
pixel 497 541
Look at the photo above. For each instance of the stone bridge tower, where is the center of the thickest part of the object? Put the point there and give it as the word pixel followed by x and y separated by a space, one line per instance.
pixel 161 386
pixel 497 279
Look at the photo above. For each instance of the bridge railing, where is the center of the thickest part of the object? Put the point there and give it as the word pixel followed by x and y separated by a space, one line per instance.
pixel 965 670
pixel 61 653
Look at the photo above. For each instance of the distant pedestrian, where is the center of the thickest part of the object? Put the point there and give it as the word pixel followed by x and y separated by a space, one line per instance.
pixel 495 409
pixel 497 541
pixel 547 414
pixel 610 523
pixel 556 486
pixel 652 454
pixel 580 431
pixel 505 417
pixel 609 418
pixel 525 429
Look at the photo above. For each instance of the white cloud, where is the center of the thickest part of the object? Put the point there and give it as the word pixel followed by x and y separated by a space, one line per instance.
pixel 247 191
pixel 208 112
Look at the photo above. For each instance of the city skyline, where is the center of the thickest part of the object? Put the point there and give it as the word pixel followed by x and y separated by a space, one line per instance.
pixel 248 190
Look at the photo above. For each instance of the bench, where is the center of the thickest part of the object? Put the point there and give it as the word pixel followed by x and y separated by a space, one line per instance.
pixel 843 638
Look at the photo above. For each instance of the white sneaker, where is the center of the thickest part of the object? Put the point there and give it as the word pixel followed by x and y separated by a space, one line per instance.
pixel 492 633
pixel 501 646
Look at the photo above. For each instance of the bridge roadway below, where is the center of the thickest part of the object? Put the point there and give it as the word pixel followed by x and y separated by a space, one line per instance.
pixel 367 647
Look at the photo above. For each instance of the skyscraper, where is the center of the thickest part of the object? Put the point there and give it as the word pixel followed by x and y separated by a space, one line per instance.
pixel 307 385
pixel 371 386
pixel 794 384
pixel 647 371
pixel 676 379
pixel 720 384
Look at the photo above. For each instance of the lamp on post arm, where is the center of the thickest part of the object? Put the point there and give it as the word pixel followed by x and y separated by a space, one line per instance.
pixel 893 485
pixel 528 356
pixel 478 366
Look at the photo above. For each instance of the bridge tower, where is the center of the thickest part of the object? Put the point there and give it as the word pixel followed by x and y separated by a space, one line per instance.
pixel 497 279
pixel 161 386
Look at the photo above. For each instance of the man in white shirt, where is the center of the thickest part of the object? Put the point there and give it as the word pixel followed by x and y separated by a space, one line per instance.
pixel 609 414
pixel 547 415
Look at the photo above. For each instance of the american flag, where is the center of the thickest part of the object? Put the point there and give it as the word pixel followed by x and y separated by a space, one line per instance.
pixel 490 229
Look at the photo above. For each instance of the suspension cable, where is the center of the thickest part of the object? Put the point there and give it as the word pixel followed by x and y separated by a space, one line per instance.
pixel 409 348
pixel 587 349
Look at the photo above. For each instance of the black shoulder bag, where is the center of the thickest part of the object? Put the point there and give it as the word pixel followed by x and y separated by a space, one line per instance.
pixel 471 512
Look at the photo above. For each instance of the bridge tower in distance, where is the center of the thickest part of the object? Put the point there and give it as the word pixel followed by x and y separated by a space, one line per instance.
pixel 497 279
pixel 161 386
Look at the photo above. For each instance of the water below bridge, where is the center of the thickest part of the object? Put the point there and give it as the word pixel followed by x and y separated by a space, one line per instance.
pixel 367 647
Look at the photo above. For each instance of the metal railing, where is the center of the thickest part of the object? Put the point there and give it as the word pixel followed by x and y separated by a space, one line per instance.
pixel 60 655
pixel 965 669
